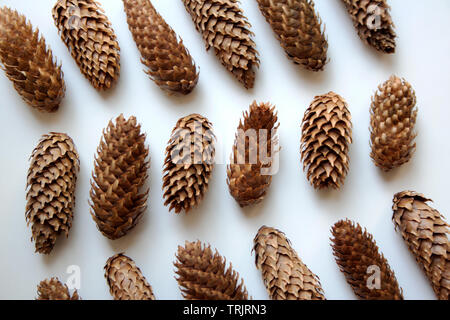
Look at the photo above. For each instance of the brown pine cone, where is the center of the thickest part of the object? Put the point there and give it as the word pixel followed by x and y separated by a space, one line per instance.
pixel 168 61
pixel 202 275
pixel 286 277
pixel 51 185
pixel 299 30
pixel 427 235
pixel 189 163
pixel 119 174
pixel 125 279
pixel 53 289
pixel 358 258
pixel 249 174
pixel 326 137
pixel 225 28
pixel 29 63
pixel 88 35
pixel 393 116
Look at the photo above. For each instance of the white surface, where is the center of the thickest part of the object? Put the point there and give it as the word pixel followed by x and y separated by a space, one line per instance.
pixel 292 205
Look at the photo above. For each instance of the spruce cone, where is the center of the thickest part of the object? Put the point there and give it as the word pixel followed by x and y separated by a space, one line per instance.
pixel 88 35
pixel 189 163
pixel 53 289
pixel 299 31
pixel 326 136
pixel 51 185
pixel 392 120
pixel 120 172
pixel 202 275
pixel 427 235
pixel 29 63
pixel 356 254
pixel 125 279
pixel 249 175
pixel 373 22
pixel 225 28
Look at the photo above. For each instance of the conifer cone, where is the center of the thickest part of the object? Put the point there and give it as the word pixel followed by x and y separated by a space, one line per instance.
pixel 53 289
pixel 285 276
pixel 299 30
pixel 119 174
pixel 88 35
pixel 189 163
pixel 51 185
pixel 393 116
pixel 356 253
pixel 249 174
pixel 203 275
pixel 326 137
pixel 426 233
pixel 225 28
pixel 125 279
pixel 373 22
pixel 29 63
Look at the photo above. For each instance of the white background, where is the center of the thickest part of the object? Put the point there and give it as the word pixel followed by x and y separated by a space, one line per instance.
pixel 292 205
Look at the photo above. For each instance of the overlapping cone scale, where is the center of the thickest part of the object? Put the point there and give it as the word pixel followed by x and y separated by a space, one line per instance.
pixel 53 289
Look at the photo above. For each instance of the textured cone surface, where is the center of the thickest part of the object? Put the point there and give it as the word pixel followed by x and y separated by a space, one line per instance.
pixel 373 22
pixel 88 35
pixel 125 279
pixel 29 63
pixel 53 289
pixel 225 28
pixel 120 172
pixel 169 63
pixel 392 119
pixel 51 185
pixel 356 253
pixel 203 275
pixel 427 236
pixel 189 163
pixel 299 30
pixel 248 174
pixel 326 137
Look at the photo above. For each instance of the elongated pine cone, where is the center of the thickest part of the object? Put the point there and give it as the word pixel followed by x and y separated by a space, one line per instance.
pixel 325 142
pixel 249 174
pixel 120 172
pixel 203 275
pixel 51 182
pixel 29 63
pixel 168 61
pixel 88 35
pixel 426 233
pixel 125 279
pixel 53 289
pixel 393 116
pixel 357 256
pixel 373 22
pixel 285 276
pixel 225 28
pixel 189 162
pixel 299 30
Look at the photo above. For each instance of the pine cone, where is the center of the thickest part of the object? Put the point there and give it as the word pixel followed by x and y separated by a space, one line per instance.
pixel 88 35
pixel 202 275
pixel 53 289
pixel 189 163
pixel 427 235
pixel 225 28
pixel 373 22
pixel 299 30
pixel 356 254
pixel 29 63
pixel 51 185
pixel 249 174
pixel 125 279
pixel 392 120
pixel 326 136
pixel 286 277
pixel 120 172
